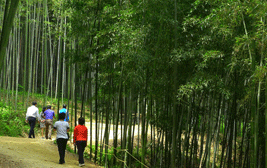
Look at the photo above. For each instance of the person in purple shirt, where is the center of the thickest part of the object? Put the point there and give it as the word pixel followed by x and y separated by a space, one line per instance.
pixel 49 115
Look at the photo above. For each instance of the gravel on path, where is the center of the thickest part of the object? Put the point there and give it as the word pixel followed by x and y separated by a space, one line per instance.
pixel 34 153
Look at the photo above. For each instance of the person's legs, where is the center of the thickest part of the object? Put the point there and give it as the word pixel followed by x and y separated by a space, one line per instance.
pixel 46 129
pixel 42 132
pixel 64 144
pixel 32 122
pixel 78 143
pixel 32 127
pixel 61 150
pixel 42 126
pixel 81 146
pixel 50 124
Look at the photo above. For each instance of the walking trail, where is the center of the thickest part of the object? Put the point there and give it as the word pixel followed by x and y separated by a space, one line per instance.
pixel 34 153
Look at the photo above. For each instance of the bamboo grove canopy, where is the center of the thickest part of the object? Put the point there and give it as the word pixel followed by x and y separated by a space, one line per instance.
pixel 173 83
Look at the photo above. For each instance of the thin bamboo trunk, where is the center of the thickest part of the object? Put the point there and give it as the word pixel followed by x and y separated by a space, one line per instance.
pixel 44 54
pixel 75 97
pixel 96 108
pixel 9 15
pixel 58 61
pixel 175 73
pixel 216 139
pixel 106 135
pixel 13 64
pixel 253 158
pixel 18 61
pixel 64 64
pixel 144 124
pixel 91 108
pixel 8 74
pixel 117 116
pixel 26 55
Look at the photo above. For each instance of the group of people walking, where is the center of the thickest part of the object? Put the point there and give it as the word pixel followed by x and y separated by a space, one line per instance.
pixel 45 119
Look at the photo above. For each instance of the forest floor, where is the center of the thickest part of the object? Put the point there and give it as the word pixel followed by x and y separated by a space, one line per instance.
pixel 24 152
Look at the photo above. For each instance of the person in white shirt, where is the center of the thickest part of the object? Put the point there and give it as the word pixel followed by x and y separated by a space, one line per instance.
pixel 31 115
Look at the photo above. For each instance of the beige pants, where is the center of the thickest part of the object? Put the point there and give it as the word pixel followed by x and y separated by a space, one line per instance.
pixel 48 128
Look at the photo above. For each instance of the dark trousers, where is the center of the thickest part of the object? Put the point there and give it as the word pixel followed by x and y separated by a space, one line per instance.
pixel 32 122
pixel 81 146
pixel 61 144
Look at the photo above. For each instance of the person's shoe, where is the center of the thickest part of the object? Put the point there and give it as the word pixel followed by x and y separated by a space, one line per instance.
pixel 61 162
pixel 81 165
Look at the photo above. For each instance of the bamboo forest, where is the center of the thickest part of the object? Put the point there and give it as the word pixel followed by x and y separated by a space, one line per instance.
pixel 161 84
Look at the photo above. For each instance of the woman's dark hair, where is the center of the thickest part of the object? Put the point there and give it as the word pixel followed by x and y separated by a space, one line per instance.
pixel 81 121
pixel 44 108
pixel 64 105
pixel 34 103
pixel 61 116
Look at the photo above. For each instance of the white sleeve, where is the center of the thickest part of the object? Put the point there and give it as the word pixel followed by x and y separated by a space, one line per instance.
pixel 26 118
pixel 27 114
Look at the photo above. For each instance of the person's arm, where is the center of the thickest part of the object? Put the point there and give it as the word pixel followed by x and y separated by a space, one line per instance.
pixel 38 115
pixel 74 136
pixel 68 127
pixel 67 118
pixel 55 126
pixel 26 118
pixel 42 117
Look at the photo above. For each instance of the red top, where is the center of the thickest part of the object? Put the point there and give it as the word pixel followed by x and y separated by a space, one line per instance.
pixel 80 133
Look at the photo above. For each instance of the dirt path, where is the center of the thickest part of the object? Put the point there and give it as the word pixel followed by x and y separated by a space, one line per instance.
pixel 34 153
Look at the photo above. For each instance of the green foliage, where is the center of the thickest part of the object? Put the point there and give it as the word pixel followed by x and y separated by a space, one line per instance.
pixel 110 153
pixel 69 149
pixel 218 48
pixel 12 124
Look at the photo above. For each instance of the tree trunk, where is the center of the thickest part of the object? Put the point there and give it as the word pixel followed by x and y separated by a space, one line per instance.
pixel 9 15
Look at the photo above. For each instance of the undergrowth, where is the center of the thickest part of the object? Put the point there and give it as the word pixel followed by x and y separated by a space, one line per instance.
pixel 12 123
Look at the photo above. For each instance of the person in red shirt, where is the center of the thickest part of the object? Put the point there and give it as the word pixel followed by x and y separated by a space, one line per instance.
pixel 80 139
